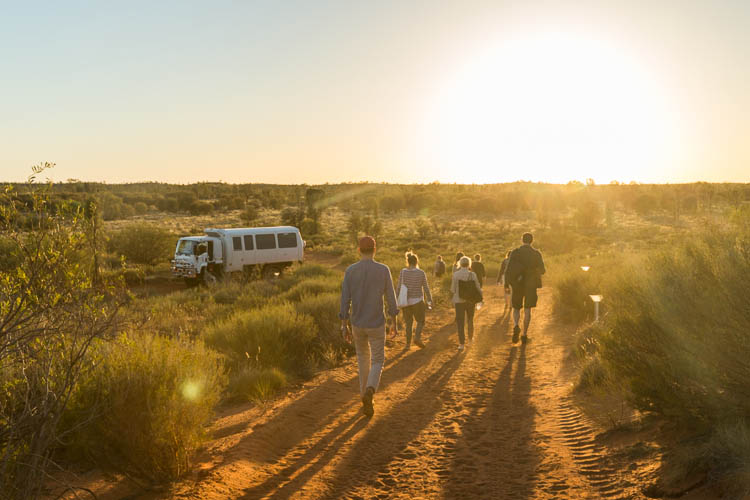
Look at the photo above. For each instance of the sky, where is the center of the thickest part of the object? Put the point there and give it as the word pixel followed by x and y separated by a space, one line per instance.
pixel 389 91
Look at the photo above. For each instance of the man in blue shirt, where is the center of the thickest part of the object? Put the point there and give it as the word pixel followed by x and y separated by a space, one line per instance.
pixel 365 284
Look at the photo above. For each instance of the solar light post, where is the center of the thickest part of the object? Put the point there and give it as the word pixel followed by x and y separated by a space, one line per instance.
pixel 596 299
pixel 585 268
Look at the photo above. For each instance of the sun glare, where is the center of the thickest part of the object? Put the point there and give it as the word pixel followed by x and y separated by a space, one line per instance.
pixel 551 108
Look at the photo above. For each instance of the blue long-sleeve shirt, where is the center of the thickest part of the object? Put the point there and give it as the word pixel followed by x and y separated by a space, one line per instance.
pixel 365 284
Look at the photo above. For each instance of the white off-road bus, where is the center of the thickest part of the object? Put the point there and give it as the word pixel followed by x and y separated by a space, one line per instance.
pixel 266 251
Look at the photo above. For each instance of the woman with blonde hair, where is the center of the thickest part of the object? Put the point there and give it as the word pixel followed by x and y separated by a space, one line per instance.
pixel 417 293
pixel 466 293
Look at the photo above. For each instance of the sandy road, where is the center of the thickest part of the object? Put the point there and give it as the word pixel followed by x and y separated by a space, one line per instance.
pixel 493 422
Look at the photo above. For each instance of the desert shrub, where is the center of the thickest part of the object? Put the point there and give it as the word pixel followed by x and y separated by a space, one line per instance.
pixel 249 215
pixel 227 293
pixel 140 208
pixel 312 287
pixel 274 336
pixel 143 243
pixel 9 257
pixel 153 397
pixel 679 330
pixel 572 290
pixel 200 208
pixel 255 384
pixel 51 310
pixel 309 227
pixel 292 216
pixel 311 271
pixel 348 259
pixel 324 308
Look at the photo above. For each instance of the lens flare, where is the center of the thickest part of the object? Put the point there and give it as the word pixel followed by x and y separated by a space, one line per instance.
pixel 191 390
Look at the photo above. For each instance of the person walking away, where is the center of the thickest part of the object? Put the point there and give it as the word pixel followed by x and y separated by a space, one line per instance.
pixel 418 298
pixel 439 270
pixel 457 265
pixel 502 281
pixel 464 307
pixel 478 267
pixel 365 285
pixel 524 273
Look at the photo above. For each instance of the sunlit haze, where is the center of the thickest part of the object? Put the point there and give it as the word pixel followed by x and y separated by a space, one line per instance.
pixel 291 92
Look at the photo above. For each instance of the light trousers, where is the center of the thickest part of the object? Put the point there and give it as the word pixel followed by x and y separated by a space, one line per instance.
pixel 370 346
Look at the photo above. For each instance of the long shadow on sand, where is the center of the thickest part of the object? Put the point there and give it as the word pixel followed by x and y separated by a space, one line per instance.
pixel 366 462
pixel 320 407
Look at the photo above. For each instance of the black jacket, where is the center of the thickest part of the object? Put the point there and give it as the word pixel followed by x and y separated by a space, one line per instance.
pixel 525 267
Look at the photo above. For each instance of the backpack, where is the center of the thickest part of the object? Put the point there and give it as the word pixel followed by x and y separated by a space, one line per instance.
pixel 469 291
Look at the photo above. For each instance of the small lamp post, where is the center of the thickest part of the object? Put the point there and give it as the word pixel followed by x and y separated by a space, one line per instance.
pixel 596 299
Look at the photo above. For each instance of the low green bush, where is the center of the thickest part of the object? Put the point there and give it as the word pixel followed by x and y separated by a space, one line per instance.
pixel 274 336
pixel 148 400
pixel 9 257
pixel 571 299
pixel 143 243
pixel 678 333
pixel 324 309
pixel 308 271
pixel 255 384
pixel 312 287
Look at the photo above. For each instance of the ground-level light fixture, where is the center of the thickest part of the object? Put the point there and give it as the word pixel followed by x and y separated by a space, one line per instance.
pixel 585 268
pixel 596 299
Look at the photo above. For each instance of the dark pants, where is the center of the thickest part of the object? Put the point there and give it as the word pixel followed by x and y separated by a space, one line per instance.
pixel 410 314
pixel 464 310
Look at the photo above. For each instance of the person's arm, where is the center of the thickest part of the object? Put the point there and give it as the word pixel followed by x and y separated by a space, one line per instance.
pixel 390 295
pixel 426 288
pixel 454 285
pixel 346 300
pixel 541 264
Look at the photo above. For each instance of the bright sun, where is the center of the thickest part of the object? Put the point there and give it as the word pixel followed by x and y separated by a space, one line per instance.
pixel 551 108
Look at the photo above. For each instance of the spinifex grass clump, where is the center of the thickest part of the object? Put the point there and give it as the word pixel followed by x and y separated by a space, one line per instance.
pixel 679 340
pixel 313 286
pixel 274 336
pixel 681 330
pixel 324 308
pixel 153 397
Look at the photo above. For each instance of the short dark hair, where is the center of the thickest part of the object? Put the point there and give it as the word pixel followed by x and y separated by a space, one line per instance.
pixel 527 238
pixel 477 257
pixel 412 259
pixel 459 255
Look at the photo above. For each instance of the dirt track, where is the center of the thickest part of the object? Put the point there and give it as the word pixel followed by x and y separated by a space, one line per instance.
pixel 493 422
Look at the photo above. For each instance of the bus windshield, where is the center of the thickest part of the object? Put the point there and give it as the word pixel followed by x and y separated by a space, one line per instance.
pixel 185 247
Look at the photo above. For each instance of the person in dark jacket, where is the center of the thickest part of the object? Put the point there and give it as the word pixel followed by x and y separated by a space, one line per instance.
pixel 524 274
pixel 478 267
pixel 439 270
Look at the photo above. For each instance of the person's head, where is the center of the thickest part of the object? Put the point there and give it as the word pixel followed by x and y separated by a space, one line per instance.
pixel 367 246
pixel 464 261
pixel 477 258
pixel 440 258
pixel 459 255
pixel 527 238
pixel 411 259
